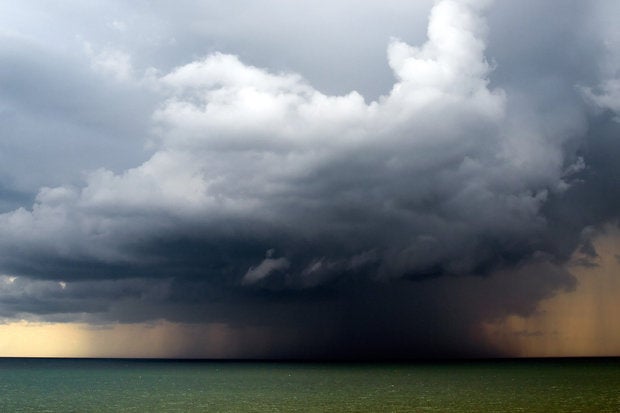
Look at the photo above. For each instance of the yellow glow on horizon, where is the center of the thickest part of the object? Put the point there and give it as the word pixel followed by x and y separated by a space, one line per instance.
pixel 140 340
pixel 28 339
pixel 583 322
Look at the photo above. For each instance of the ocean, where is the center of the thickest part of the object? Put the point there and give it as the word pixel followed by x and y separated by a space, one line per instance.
pixel 120 385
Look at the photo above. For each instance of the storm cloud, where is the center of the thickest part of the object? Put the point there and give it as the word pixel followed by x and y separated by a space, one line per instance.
pixel 380 223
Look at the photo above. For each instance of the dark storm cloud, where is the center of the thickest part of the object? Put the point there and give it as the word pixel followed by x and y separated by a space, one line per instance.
pixel 368 227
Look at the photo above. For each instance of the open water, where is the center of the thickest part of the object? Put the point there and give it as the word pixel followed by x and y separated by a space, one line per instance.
pixel 83 385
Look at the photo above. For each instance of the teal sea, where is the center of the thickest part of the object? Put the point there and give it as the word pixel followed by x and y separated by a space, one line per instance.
pixel 83 385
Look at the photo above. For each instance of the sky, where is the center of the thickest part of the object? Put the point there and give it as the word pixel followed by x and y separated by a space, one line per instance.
pixel 325 179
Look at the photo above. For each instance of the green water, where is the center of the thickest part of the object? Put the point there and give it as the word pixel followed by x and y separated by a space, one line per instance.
pixel 48 385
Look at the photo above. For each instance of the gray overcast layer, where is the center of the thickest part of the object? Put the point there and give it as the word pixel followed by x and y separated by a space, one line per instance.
pixel 364 180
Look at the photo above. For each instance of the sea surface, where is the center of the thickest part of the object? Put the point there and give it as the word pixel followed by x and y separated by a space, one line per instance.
pixel 102 385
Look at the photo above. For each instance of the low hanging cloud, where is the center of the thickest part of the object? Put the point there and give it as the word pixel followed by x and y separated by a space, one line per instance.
pixel 445 177
pixel 262 270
